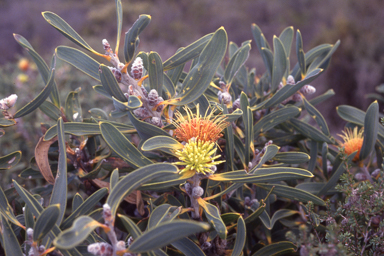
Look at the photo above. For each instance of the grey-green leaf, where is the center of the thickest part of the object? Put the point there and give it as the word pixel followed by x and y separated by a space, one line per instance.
pixel 188 53
pixel 36 102
pixel 9 242
pixel 110 84
pixel 45 222
pixel 279 63
pixel 132 36
pixel 135 179
pixel 277 248
pixel 240 238
pixel 200 76
pixel 122 146
pixel 371 126
pixel 155 71
pixel 79 60
pixel 59 192
pixel 165 234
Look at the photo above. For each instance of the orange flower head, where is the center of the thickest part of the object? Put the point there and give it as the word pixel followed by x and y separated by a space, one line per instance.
pixel 353 140
pixel 204 128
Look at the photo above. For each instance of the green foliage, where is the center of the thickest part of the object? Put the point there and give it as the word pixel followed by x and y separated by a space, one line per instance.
pixel 276 153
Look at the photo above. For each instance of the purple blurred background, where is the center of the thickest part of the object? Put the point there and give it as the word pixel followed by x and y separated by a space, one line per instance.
pixel 356 68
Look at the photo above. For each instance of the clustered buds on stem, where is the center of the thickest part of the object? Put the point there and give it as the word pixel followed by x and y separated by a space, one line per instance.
pixel 105 249
pixel 298 96
pixel 35 250
pixel 223 94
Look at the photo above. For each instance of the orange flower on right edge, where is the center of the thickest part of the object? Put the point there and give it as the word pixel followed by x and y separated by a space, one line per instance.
pixel 353 140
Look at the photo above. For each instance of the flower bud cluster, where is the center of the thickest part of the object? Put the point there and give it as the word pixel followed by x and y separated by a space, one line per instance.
pixel 100 249
pixel 298 96
pixel 137 68
pixel 152 99
pixel 8 102
pixel 223 94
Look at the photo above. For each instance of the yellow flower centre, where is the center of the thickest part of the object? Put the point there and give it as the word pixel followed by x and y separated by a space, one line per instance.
pixel 198 155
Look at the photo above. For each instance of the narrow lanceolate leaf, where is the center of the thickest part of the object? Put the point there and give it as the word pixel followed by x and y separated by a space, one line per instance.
pixel 36 209
pixel 59 192
pixel 253 217
pixel 240 238
pixel 64 28
pixel 167 181
pixel 280 214
pixel 9 161
pixel 159 215
pixel 132 36
pixel 79 60
pixel 317 116
pixel 50 110
pixel 300 54
pixel 110 84
pixel 336 175
pixel 6 122
pixel 85 208
pixel 133 103
pixel 188 53
pixel 279 63
pixel 270 152
pixel 131 226
pixel 161 142
pixel 263 175
pixel 279 116
pixel 76 234
pixel 9 242
pixel 309 131
pixel 292 193
pixel 248 126
pixel 36 102
pixel 291 157
pixel 236 62
pixel 165 234
pixel 122 146
pixel 279 248
pixel 73 108
pixel 356 116
pixel 45 222
pixel 6 210
pixel 188 247
pixel 230 143
pixel 262 43
pixel 155 71
pixel 114 178
pixel 144 129
pixel 80 129
pixel 42 67
pixel 135 179
pixel 213 216
pixel 286 38
pixel 287 91
pixel 119 12
pixel 371 126
pixel 200 76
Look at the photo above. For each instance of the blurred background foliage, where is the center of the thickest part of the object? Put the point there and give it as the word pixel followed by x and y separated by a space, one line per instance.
pixel 356 67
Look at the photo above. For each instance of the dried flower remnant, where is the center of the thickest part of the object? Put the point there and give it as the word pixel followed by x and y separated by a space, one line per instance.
pixel 353 140
pixel 198 155
pixel 204 128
